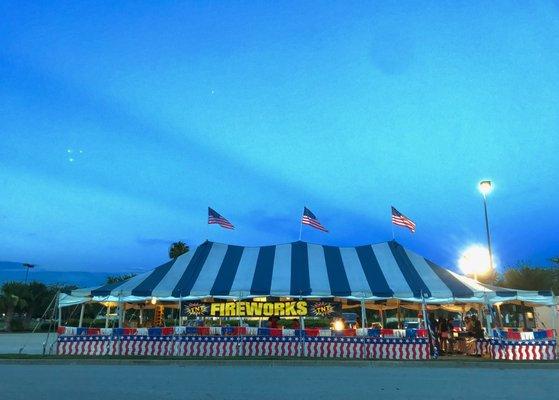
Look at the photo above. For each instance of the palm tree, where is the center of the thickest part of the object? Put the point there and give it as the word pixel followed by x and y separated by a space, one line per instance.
pixel 119 278
pixel 36 295
pixel 12 298
pixel 177 249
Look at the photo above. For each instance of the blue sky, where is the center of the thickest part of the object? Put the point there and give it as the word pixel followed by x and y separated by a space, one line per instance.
pixel 121 123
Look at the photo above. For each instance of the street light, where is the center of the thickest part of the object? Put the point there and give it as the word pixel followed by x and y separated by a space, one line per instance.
pixel 27 266
pixel 485 187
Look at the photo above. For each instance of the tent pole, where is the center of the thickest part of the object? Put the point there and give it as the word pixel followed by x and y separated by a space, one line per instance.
pixel 119 311
pixel 399 315
pixel 80 324
pixel 363 314
pixel 499 316
pixel 141 316
pixel 59 310
pixel 424 311
pixel 554 316
pixel 302 324
pixel 523 308
pixel 107 316
pixel 180 310
pixel 488 317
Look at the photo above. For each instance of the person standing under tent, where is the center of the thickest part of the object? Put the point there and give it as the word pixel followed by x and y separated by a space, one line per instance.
pixel 272 323
pixel 443 334
pixel 295 324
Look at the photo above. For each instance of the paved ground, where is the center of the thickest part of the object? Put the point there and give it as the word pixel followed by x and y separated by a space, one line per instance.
pixel 32 343
pixel 267 380
pixel 54 379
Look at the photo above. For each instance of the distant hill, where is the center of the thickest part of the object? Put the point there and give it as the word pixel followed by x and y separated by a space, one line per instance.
pixel 12 271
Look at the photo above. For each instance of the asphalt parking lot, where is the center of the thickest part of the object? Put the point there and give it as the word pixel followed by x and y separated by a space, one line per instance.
pixel 271 380
pixel 49 378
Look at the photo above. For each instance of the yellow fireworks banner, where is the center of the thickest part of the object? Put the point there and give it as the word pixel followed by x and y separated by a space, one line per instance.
pixel 298 308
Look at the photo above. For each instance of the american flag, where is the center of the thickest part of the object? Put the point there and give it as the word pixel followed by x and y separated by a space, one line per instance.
pixel 310 219
pixel 401 220
pixel 216 218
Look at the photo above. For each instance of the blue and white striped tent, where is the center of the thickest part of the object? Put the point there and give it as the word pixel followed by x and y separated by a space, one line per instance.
pixel 299 269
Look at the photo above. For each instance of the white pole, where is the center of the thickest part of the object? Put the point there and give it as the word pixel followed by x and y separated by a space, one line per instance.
pixel 302 326
pixel 107 316
pixel 141 316
pixel 180 310
pixel 488 317
pixel 59 311
pixel 303 349
pixel 120 311
pixel 121 314
pixel 81 315
pixel 499 317
pixel 363 314
pixel 554 316
pixel 424 312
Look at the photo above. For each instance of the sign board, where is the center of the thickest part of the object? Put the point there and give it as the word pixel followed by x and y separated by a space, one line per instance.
pixel 295 308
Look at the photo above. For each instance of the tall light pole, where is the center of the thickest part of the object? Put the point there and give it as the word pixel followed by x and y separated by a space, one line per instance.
pixel 27 266
pixel 485 187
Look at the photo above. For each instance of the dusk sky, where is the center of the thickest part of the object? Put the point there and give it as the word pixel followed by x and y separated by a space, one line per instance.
pixel 120 124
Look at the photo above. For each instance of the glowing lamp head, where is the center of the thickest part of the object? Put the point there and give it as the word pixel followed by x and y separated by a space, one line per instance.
pixel 153 301
pixel 475 260
pixel 485 187
pixel 339 325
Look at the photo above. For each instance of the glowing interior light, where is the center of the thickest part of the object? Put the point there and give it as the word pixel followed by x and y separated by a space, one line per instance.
pixel 338 325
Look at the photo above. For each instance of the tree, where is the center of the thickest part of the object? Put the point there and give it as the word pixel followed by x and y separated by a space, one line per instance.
pixel 177 249
pixel 35 297
pixel 12 299
pixel 119 278
pixel 527 277
pixel 491 277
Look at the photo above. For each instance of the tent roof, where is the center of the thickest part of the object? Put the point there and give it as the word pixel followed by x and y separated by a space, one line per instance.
pixel 301 269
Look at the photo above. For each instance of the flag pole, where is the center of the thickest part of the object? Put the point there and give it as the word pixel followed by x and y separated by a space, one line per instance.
pixel 301 224
pixel 208 225
pixel 391 223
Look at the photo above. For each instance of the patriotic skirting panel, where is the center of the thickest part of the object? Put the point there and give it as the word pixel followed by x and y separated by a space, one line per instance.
pixel 523 350
pixel 517 350
pixel 245 346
